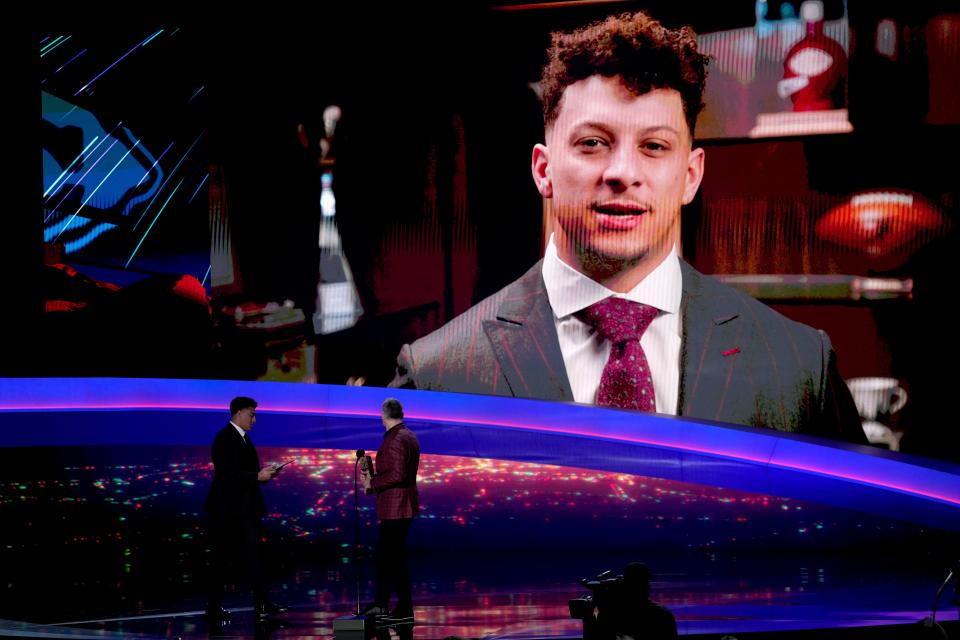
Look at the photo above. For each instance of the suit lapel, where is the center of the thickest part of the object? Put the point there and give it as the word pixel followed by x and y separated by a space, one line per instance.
pixel 524 339
pixel 710 349
pixel 249 451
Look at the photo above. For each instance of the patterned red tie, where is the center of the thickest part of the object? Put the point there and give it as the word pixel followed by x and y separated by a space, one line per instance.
pixel 626 381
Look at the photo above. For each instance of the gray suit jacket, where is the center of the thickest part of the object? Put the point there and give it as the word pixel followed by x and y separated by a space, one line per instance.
pixel 740 361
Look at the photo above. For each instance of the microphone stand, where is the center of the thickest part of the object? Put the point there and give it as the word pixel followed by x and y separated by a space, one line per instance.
pixel 931 621
pixel 356 526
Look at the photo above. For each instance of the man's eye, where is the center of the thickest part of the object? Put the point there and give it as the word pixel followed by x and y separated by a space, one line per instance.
pixel 591 143
pixel 655 147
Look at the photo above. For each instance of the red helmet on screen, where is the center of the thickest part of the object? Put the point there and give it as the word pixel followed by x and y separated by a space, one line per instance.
pixel 815 69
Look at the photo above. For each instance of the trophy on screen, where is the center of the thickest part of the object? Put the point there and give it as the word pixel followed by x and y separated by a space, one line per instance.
pixel 877 398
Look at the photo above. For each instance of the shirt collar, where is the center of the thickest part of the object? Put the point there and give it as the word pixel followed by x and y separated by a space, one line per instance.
pixel 243 434
pixel 570 291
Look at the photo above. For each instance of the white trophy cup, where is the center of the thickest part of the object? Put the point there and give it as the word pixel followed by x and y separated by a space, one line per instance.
pixel 878 398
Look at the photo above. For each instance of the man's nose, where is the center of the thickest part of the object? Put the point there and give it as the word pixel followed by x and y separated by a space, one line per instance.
pixel 625 168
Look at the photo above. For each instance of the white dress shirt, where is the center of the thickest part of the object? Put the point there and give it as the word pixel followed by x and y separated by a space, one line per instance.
pixel 585 352
pixel 243 434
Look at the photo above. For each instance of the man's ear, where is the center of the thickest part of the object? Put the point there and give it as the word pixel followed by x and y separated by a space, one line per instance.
pixel 540 167
pixel 694 174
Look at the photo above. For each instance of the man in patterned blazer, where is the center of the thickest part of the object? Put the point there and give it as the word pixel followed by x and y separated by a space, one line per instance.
pixel 395 483
pixel 612 315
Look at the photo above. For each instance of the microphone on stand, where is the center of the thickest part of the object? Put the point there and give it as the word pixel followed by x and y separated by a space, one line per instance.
pixel 365 461
pixel 348 626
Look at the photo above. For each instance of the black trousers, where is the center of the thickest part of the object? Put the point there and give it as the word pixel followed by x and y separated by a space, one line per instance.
pixel 235 543
pixel 392 569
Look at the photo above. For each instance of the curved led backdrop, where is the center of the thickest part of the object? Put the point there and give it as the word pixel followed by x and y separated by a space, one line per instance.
pixel 108 412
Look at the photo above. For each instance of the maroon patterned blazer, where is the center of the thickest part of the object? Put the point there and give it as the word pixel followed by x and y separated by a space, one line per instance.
pixel 395 482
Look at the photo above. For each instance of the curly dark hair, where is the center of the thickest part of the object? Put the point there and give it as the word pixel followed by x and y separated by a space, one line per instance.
pixel 633 46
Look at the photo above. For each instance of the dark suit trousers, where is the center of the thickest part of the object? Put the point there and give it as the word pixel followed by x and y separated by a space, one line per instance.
pixel 392 569
pixel 236 542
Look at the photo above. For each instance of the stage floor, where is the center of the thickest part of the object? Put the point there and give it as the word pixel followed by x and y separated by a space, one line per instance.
pixel 526 597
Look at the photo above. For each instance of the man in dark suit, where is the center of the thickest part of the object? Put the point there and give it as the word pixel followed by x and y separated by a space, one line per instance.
pixel 612 315
pixel 395 483
pixel 235 505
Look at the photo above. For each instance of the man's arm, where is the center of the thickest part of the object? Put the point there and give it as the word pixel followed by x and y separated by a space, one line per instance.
pixel 838 415
pixel 227 463
pixel 390 467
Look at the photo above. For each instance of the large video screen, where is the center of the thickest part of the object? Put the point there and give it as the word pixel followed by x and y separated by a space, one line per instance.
pixel 368 200
pixel 215 208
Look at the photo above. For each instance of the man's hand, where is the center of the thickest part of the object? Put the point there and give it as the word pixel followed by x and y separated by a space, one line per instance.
pixel 365 479
pixel 266 473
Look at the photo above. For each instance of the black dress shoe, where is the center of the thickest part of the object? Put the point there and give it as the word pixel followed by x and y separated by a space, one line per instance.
pixel 217 613
pixel 374 610
pixel 399 615
pixel 269 625
pixel 268 609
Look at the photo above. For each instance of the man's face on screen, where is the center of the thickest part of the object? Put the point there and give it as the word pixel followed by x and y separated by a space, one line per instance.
pixel 617 167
